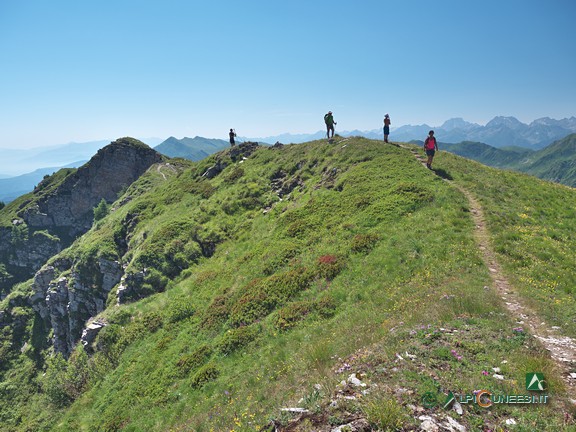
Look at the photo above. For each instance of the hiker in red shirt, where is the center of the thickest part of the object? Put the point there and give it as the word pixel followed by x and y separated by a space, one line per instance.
pixel 430 147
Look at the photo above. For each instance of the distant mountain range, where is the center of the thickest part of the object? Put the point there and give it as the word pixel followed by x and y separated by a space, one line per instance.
pixel 23 161
pixel 16 162
pixel 502 142
pixel 556 162
pixel 195 149
pixel 498 132
pixel 12 187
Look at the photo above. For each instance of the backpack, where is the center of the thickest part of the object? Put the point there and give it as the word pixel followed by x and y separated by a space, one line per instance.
pixel 328 119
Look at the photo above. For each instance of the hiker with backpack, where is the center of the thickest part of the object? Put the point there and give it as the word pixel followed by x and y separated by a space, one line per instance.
pixel 329 120
pixel 232 135
pixel 386 127
pixel 430 147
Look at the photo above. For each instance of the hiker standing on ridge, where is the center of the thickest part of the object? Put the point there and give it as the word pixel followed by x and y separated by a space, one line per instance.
pixel 430 147
pixel 232 136
pixel 386 127
pixel 329 120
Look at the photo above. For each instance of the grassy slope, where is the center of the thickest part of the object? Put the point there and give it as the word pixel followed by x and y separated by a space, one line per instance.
pixel 533 232
pixel 557 162
pixel 554 163
pixel 488 155
pixel 373 256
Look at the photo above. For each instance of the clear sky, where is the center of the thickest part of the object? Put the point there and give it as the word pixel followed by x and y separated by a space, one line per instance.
pixel 82 70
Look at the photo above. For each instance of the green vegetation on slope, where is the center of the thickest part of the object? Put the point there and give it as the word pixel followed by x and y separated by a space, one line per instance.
pixel 488 155
pixel 556 163
pixel 274 281
pixel 533 232
pixel 44 188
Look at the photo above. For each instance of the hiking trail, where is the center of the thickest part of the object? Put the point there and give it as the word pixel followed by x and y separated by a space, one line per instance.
pixel 562 348
pixel 159 167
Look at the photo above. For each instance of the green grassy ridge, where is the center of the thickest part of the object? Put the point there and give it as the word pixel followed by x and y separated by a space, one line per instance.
pixel 308 206
pixel 488 155
pixel 375 253
pixel 532 231
pixel 555 162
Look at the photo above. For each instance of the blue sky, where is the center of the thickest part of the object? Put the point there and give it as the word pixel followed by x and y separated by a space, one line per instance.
pixel 79 70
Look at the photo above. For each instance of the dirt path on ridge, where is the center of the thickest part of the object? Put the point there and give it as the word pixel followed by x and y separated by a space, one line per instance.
pixel 161 165
pixel 562 348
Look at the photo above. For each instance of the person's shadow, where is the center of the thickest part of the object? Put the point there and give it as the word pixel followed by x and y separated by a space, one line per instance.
pixel 442 173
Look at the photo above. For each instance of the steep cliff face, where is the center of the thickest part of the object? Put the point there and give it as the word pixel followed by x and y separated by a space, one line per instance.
pixel 61 207
pixel 74 287
pixel 65 303
pixel 69 208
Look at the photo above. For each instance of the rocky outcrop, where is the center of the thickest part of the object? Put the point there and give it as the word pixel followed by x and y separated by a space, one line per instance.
pixel 214 170
pixel 243 150
pixel 236 153
pixel 69 208
pixel 35 251
pixel 67 303
pixel 58 213
pixel 90 332
pixel 283 185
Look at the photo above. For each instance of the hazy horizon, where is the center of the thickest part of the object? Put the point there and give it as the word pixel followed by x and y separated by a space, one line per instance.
pixel 155 140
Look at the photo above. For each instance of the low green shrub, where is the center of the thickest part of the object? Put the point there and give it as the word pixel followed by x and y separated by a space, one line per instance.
pixel 206 374
pixel 54 381
pixel 64 381
pixel 252 306
pixel 151 321
pixel 216 314
pixel 201 187
pixel 279 257
pixel 262 296
pixel 107 341
pixel 293 313
pixel 101 210
pixel 236 173
pixel 364 243
pixel 194 360
pixel 328 266
pixel 178 309
pixel 235 339
pixel 326 307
